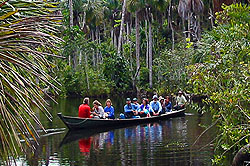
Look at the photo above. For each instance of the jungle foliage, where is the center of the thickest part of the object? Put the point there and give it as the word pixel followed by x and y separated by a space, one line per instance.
pixel 153 37
pixel 223 75
pixel 113 47
pixel 28 45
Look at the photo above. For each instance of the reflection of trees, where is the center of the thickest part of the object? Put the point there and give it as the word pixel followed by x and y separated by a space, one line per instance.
pixel 165 142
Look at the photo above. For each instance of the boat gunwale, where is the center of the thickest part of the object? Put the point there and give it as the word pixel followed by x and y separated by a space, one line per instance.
pixel 130 119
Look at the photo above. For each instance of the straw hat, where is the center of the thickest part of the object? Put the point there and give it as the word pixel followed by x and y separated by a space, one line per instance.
pixel 161 98
pixel 155 97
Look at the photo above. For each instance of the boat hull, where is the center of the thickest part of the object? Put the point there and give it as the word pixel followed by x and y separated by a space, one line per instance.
pixel 76 123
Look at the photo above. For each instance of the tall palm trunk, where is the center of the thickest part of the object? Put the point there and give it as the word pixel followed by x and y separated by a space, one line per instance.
pixel 127 31
pixel 122 26
pixel 171 26
pixel 150 53
pixel 80 57
pixel 137 41
pixel 70 21
pixel 93 39
pixel 146 33
pixel 97 42
pixel 189 24
pixel 112 36
pixel 86 69
pixel 70 13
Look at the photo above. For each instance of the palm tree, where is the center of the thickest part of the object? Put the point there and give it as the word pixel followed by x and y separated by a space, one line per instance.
pixel 27 38
pixel 121 27
pixel 154 8
pixel 94 16
pixel 136 6
pixel 70 22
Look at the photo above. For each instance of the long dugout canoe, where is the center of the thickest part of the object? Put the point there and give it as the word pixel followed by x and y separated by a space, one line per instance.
pixel 75 123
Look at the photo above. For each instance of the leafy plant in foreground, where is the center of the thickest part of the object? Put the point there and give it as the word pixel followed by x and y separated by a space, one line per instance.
pixel 27 38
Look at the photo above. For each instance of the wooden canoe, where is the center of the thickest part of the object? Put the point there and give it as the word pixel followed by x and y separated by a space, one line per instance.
pixel 75 123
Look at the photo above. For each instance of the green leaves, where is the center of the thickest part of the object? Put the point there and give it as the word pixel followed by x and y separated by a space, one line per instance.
pixel 27 40
pixel 224 76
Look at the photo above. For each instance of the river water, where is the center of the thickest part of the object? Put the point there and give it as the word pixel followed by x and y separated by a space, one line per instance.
pixel 166 142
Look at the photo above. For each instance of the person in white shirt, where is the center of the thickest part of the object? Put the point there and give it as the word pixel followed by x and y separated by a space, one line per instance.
pixel 98 111
pixel 180 101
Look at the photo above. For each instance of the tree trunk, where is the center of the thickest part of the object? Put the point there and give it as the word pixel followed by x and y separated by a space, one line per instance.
pixel 137 42
pixel 150 55
pixel 112 36
pixel 146 33
pixel 189 25
pixel 104 29
pixel 70 13
pixel 127 26
pixel 83 20
pixel 171 26
pixel 198 27
pixel 97 50
pixel 115 40
pixel 212 17
pixel 86 69
pixel 93 39
pixel 80 57
pixel 121 27
pixel 70 21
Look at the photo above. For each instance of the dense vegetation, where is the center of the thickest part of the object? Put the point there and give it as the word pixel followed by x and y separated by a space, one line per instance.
pixel 153 49
pixel 131 46
pixel 223 75
pixel 26 53
pixel 132 58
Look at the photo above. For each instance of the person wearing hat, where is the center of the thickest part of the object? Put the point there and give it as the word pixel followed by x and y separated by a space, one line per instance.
pixel 128 109
pixel 135 106
pixel 180 101
pixel 156 106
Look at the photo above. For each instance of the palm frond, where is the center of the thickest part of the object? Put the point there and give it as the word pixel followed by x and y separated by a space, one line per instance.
pixel 27 38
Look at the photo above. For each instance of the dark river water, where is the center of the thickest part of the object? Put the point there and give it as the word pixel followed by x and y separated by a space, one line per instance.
pixel 162 143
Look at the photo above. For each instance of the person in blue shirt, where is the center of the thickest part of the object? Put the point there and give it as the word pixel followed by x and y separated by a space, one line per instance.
pixel 168 104
pixel 156 106
pixel 109 110
pixel 145 109
pixel 135 106
pixel 128 109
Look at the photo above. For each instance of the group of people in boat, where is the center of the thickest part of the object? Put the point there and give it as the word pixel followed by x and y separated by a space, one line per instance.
pixel 97 111
pixel 156 107
pixel 132 109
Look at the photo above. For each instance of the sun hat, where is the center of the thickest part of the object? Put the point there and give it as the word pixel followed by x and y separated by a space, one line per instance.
pixel 128 99
pixel 155 97
pixel 135 99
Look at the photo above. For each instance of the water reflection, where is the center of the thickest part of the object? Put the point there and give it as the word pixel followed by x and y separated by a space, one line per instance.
pixel 163 143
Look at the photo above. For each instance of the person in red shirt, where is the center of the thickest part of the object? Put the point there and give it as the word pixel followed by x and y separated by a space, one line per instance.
pixel 84 109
